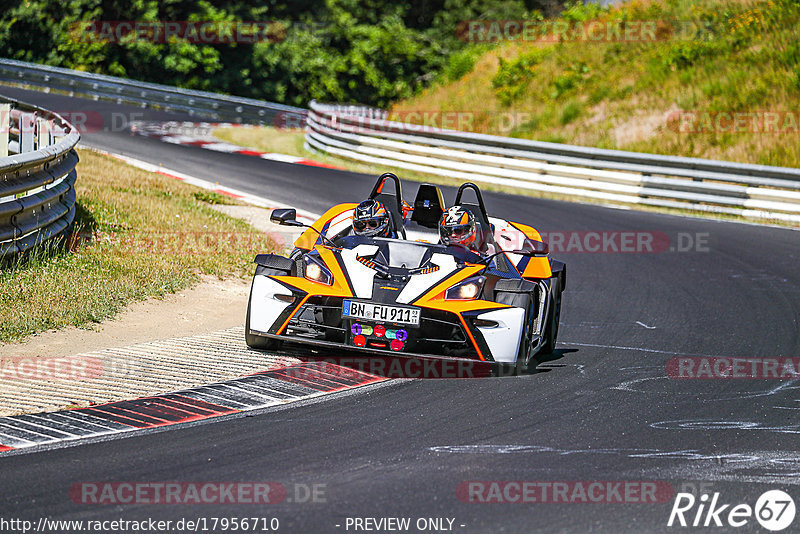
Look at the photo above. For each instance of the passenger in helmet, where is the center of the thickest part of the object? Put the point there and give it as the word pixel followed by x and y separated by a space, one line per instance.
pixel 457 227
pixel 372 219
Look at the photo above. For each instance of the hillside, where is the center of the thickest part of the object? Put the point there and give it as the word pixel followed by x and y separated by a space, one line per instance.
pixel 720 80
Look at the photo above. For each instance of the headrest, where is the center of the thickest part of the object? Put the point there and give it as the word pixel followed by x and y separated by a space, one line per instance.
pixel 428 206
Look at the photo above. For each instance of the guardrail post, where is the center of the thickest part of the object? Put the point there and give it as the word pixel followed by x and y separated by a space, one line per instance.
pixel 43 136
pixel 5 126
pixel 27 122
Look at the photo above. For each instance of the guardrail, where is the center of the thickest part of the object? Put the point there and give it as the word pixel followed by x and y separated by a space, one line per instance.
pixel 37 179
pixel 364 134
pixel 200 104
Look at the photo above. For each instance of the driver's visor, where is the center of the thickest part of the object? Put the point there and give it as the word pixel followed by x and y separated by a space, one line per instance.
pixel 371 224
pixel 455 232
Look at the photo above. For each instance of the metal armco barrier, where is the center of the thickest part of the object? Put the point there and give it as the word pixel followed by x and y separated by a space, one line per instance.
pixel 364 134
pixel 200 104
pixel 37 179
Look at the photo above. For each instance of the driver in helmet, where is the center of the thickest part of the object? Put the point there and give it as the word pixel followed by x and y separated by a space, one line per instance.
pixel 457 227
pixel 372 219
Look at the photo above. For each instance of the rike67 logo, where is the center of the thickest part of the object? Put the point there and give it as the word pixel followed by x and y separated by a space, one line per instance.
pixel 774 510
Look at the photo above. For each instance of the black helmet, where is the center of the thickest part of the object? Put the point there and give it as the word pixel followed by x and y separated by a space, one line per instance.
pixel 370 219
pixel 457 227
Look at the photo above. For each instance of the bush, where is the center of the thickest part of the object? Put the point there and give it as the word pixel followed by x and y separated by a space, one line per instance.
pixel 575 75
pixel 512 77
pixel 570 112
pixel 460 64
pixel 685 54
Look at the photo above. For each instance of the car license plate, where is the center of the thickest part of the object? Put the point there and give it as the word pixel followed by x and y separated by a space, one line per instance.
pixel 380 312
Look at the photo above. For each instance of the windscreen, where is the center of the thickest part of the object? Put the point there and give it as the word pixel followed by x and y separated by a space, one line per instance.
pixel 406 254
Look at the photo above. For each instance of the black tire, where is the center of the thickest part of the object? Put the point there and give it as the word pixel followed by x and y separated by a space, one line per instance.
pixel 254 341
pixel 520 300
pixel 553 320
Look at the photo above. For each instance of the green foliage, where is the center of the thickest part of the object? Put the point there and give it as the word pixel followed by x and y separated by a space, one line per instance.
pixel 367 51
pixel 512 77
pixel 578 11
pixel 570 112
pixel 211 197
pixel 573 76
pixel 684 54
pixel 460 63
pixel 599 94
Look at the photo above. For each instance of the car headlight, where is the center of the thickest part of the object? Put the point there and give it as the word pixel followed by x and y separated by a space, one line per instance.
pixel 468 289
pixel 316 271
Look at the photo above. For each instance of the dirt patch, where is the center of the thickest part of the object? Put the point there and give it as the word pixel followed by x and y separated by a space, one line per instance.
pixel 642 126
pixel 212 304
pixel 181 340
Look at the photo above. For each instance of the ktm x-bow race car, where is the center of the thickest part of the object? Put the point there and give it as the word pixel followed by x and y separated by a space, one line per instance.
pixel 410 295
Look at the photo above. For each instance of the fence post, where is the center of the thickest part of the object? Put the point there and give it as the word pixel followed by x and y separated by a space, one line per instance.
pixel 27 122
pixel 43 138
pixel 5 126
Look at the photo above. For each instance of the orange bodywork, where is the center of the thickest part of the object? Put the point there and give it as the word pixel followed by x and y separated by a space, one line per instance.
pixel 338 288
pixel 435 299
pixel 535 267
pixel 309 238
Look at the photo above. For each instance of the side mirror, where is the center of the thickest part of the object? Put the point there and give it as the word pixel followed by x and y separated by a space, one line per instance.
pixel 285 217
pixel 532 248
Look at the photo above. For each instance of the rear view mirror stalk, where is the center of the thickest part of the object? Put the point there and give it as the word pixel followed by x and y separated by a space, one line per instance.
pixel 288 217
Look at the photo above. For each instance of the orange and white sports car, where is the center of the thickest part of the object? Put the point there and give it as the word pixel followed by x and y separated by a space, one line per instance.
pixel 410 295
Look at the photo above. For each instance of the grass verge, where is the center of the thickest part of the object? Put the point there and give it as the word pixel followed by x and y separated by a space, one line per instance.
pixel 137 235
pixel 265 138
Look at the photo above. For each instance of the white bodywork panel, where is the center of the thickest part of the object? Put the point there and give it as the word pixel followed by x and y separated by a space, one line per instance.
pixel 361 276
pixel 506 235
pixel 422 236
pixel 504 339
pixel 508 238
pixel 264 307
pixel 420 283
pixel 339 224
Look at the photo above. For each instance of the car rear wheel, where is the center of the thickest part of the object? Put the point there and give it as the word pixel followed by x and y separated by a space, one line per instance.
pixel 553 320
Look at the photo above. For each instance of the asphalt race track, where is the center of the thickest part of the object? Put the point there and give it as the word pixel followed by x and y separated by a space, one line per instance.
pixel 601 409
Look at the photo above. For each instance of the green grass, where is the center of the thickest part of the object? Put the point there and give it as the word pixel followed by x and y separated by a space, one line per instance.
pixel 736 56
pixel 267 139
pixel 138 235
